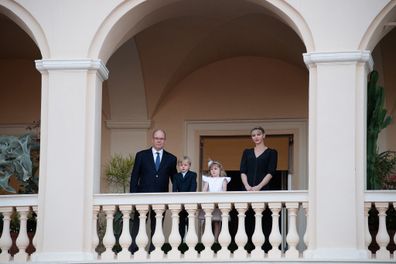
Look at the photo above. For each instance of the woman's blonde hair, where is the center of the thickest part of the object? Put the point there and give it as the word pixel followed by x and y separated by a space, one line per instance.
pixel 212 163
pixel 258 128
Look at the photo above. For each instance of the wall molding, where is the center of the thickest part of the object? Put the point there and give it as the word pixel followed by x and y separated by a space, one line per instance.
pixel 73 64
pixel 14 129
pixel 119 124
pixel 311 59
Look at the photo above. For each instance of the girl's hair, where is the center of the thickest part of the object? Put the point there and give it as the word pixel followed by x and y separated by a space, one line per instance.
pixel 218 164
pixel 258 128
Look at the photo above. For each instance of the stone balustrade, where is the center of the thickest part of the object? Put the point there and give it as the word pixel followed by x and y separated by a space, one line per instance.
pixel 112 214
pixel 287 222
pixel 380 217
pixel 16 242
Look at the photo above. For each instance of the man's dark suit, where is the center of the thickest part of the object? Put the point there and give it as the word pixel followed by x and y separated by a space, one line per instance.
pixel 146 179
pixel 188 183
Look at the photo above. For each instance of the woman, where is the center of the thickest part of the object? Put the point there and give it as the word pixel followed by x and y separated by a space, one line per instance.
pixel 258 166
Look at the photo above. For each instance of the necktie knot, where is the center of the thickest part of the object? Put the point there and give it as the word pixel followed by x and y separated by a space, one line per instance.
pixel 157 161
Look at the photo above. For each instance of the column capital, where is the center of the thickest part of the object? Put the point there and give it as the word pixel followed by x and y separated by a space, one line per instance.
pixel 73 64
pixel 311 59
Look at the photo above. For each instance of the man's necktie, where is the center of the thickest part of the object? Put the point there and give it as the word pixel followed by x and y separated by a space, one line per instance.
pixel 157 161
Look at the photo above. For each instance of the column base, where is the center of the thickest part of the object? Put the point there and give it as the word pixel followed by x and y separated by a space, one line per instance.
pixel 55 257
pixel 337 254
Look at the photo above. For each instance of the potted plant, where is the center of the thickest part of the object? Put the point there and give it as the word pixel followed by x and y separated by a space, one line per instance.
pixel 15 160
pixel 118 171
pixel 379 165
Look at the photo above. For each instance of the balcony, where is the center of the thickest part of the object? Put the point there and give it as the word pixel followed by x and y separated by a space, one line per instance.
pixel 289 234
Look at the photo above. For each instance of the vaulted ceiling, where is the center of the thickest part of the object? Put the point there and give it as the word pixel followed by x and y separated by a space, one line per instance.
pixel 15 43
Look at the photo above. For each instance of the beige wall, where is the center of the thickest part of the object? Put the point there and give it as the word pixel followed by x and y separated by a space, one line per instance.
pixel 389 69
pixel 126 86
pixel 20 91
pixel 238 88
pixel 105 147
pixel 384 59
pixel 175 48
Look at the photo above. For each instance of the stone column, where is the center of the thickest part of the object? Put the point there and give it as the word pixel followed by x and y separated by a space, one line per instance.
pixel 71 103
pixel 337 153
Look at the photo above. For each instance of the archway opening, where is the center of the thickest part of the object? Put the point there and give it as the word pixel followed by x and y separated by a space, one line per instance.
pixel 384 56
pixel 204 61
pixel 20 93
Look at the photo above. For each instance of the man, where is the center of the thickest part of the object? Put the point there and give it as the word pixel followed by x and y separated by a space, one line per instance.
pixel 153 167
pixel 151 173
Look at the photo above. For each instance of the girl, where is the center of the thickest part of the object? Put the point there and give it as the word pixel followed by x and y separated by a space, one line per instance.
pixel 216 183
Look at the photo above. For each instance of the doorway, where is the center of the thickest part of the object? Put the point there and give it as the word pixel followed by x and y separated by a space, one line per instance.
pixel 228 150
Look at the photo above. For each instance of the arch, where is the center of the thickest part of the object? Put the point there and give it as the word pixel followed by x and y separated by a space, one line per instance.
pixel 126 20
pixel 378 27
pixel 292 18
pixel 25 20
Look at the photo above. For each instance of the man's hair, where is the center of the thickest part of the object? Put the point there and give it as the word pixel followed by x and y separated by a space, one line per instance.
pixel 158 129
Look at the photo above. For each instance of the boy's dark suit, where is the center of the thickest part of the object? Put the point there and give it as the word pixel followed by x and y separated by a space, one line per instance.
pixel 188 183
pixel 146 179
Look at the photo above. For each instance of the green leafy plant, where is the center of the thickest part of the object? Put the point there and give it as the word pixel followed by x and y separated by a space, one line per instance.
pixel 379 165
pixel 118 170
pixel 14 160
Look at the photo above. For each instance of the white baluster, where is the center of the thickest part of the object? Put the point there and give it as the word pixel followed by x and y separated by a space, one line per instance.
pixel 306 235
pixel 292 235
pixel 158 238
pixel 141 238
pixel 34 240
pixel 125 237
pixel 22 241
pixel 382 236
pixel 95 237
pixel 191 238
pixel 224 237
pixel 207 238
pixel 367 236
pixel 275 237
pixel 258 237
pixel 109 238
pixel 5 240
pixel 241 237
pixel 174 236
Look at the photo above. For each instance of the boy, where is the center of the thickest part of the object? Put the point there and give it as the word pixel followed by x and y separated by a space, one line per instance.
pixel 184 181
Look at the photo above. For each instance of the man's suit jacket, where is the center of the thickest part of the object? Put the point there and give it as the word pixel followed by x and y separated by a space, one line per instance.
pixel 144 176
pixel 188 183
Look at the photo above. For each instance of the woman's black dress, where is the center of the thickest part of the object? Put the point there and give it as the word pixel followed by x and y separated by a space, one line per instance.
pixel 256 168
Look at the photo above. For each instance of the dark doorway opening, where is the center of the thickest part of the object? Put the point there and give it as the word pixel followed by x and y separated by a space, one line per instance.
pixel 228 150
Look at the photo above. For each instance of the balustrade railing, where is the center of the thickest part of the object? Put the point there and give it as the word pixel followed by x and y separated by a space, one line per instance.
pixel 380 216
pixel 115 215
pixel 17 241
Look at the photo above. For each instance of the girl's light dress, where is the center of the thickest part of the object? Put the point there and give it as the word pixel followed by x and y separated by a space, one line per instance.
pixel 215 185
